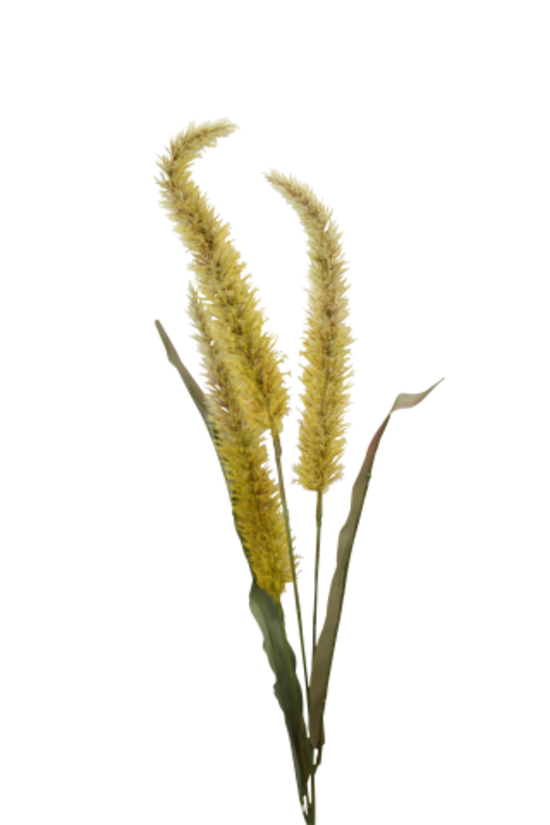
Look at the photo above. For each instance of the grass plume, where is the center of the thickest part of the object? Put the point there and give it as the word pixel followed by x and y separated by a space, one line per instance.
pixel 327 341
pixel 254 496
pixel 235 319
pixel 236 313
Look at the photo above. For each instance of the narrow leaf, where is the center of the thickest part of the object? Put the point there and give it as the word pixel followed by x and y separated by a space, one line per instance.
pixel 411 400
pixel 327 642
pixel 194 390
pixel 346 538
pixel 287 687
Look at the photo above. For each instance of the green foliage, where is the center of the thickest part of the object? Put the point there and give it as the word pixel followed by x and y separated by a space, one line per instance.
pixel 287 687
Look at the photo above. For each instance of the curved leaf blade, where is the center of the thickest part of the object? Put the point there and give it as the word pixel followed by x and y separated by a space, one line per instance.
pixel 346 537
pixel 194 390
pixel 287 687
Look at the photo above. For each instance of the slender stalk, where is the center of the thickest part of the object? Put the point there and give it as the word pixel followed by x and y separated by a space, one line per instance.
pixel 317 554
pixel 278 452
pixel 312 815
pixel 319 519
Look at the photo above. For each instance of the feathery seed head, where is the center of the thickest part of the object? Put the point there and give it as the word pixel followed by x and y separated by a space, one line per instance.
pixel 244 458
pixel 236 314
pixel 239 360
pixel 327 341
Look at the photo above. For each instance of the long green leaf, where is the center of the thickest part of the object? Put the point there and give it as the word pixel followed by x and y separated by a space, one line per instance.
pixel 278 650
pixel 346 538
pixel 327 641
pixel 287 687
pixel 197 396
pixel 194 390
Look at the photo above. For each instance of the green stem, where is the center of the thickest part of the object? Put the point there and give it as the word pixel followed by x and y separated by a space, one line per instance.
pixel 313 801
pixel 312 809
pixel 310 815
pixel 317 554
pixel 278 452
pixel 319 519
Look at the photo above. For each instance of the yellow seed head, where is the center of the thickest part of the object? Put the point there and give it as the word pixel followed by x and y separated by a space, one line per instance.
pixel 239 361
pixel 236 314
pixel 254 496
pixel 327 374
